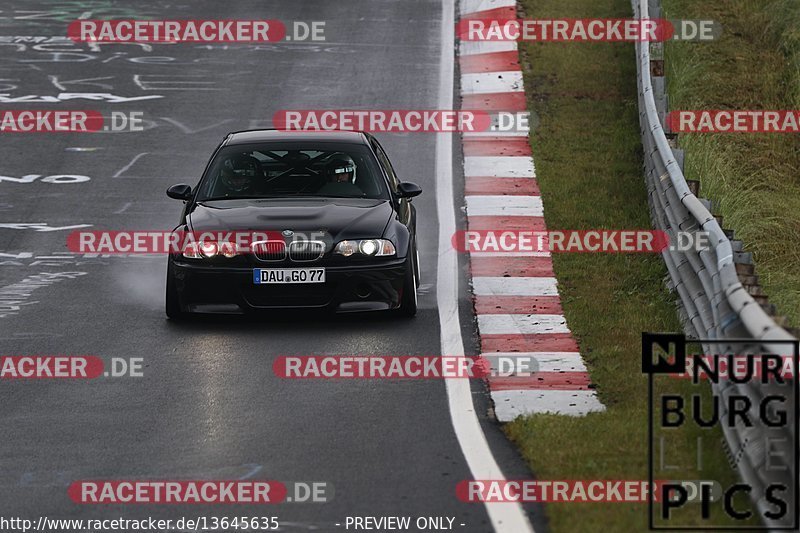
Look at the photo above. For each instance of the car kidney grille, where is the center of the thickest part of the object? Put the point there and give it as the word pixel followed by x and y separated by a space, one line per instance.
pixel 269 250
pixel 306 250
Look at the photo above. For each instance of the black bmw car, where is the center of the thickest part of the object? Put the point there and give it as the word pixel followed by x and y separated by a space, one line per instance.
pixel 337 225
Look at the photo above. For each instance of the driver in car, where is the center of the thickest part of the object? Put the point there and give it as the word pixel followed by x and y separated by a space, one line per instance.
pixel 339 173
pixel 239 178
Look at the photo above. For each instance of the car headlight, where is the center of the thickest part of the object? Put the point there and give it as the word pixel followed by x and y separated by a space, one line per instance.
pixel 346 248
pixel 209 249
pixel 191 251
pixel 367 247
pixel 228 249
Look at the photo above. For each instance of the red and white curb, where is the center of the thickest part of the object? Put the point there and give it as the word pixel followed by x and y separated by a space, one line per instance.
pixel 516 296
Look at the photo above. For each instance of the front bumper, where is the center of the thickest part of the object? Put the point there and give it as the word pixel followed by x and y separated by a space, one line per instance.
pixel 351 288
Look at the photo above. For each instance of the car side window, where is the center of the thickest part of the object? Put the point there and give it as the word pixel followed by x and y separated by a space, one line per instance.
pixel 387 166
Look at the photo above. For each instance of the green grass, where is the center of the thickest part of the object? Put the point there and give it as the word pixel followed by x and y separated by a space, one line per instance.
pixel 588 157
pixel 753 178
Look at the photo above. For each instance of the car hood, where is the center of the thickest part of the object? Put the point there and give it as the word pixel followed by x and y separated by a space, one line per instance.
pixel 341 218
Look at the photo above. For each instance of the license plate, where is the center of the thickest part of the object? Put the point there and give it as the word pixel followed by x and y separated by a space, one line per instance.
pixel 263 276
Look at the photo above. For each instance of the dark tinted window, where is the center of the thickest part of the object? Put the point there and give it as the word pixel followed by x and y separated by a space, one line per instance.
pixel 293 170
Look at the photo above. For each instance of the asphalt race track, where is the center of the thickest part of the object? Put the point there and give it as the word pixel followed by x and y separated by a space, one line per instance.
pixel 209 405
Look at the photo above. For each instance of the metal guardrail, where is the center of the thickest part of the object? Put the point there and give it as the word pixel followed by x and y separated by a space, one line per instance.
pixel 715 305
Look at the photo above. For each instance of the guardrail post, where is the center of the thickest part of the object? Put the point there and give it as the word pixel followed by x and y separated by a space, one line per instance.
pixel 659 81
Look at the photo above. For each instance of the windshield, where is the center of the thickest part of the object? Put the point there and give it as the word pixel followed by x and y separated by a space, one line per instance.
pixel 284 170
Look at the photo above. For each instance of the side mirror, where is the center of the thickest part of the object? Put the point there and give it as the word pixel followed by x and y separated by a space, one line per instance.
pixel 180 192
pixel 407 189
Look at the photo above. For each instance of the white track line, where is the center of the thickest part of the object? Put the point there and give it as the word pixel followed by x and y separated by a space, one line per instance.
pixel 504 517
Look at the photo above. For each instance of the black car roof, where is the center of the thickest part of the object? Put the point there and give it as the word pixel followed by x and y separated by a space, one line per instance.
pixel 337 136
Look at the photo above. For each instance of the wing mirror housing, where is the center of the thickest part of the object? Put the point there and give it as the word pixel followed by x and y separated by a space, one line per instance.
pixel 180 192
pixel 407 189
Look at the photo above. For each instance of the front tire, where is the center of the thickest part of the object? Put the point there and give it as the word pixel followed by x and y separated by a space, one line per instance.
pixel 172 300
pixel 408 300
